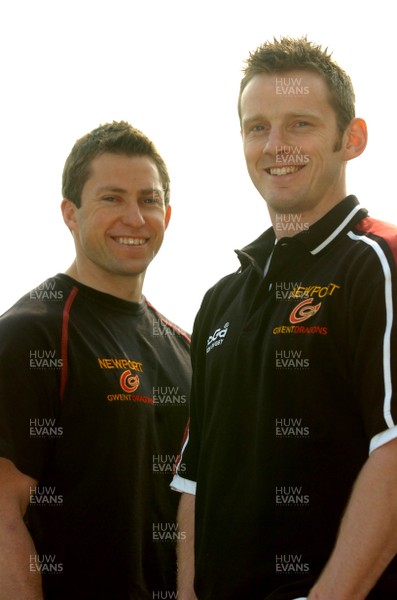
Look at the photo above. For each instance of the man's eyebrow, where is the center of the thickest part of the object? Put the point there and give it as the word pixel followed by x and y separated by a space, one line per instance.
pixel 253 119
pixel 111 188
pixel 301 114
pixel 119 190
pixel 152 190
pixel 291 115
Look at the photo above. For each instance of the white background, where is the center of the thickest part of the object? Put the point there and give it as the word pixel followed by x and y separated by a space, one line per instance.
pixel 171 68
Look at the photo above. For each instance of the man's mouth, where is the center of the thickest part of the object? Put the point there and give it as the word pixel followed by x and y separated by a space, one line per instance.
pixel 283 170
pixel 130 241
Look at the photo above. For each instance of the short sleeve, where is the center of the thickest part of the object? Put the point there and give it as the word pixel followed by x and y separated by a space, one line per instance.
pixel 30 365
pixel 374 319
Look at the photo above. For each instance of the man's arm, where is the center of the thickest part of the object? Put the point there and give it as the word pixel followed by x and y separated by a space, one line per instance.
pixel 367 539
pixel 17 580
pixel 185 548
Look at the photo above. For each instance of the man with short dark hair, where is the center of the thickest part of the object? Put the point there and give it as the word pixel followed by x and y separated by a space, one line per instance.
pixel 294 364
pixel 94 387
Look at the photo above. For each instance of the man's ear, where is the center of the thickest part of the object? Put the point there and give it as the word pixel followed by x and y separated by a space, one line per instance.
pixel 69 213
pixel 167 215
pixel 356 138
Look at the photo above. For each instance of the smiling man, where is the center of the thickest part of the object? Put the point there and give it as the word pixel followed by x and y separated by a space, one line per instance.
pixel 289 481
pixel 293 149
pixel 119 226
pixel 91 426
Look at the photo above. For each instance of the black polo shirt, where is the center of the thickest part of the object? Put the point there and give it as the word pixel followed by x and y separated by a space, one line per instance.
pixel 294 379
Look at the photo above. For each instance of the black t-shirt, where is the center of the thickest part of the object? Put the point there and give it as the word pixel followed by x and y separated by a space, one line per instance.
pixel 94 404
pixel 294 379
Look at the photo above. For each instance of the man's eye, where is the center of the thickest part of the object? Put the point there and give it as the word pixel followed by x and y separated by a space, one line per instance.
pixel 301 123
pixel 152 200
pixel 257 128
pixel 109 198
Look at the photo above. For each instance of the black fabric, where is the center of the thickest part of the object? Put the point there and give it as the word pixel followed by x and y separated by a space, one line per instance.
pixel 103 516
pixel 288 391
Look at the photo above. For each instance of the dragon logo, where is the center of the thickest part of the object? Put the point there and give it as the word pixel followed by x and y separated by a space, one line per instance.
pixel 129 382
pixel 304 311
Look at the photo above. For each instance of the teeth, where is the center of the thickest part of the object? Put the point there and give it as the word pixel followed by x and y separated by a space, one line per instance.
pixel 283 170
pixel 130 241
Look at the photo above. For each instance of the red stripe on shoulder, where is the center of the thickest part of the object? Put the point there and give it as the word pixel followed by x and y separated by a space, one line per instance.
pixel 381 229
pixel 169 323
pixel 65 339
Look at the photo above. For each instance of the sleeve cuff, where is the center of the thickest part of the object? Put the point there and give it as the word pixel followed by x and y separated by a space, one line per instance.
pixel 180 484
pixel 382 438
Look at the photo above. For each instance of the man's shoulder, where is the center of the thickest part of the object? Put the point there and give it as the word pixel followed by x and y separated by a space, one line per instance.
pixel 164 328
pixel 252 258
pixel 227 286
pixel 380 232
pixel 218 298
pixel 41 305
pixel 377 227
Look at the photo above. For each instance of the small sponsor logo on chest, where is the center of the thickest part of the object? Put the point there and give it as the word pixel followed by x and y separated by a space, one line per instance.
pixel 217 338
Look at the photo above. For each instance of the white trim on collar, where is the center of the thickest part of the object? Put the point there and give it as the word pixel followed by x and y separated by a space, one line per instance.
pixel 337 231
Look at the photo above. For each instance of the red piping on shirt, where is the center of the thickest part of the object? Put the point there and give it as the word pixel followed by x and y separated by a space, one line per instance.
pixel 65 338
pixel 185 335
pixel 179 457
pixel 169 323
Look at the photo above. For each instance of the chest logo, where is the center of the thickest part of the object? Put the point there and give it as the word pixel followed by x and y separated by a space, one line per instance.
pixel 129 383
pixel 304 310
pixel 216 339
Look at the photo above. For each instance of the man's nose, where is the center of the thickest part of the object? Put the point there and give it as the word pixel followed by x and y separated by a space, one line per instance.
pixel 275 142
pixel 132 215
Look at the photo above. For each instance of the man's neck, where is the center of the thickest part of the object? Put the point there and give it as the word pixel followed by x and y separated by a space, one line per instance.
pixel 123 287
